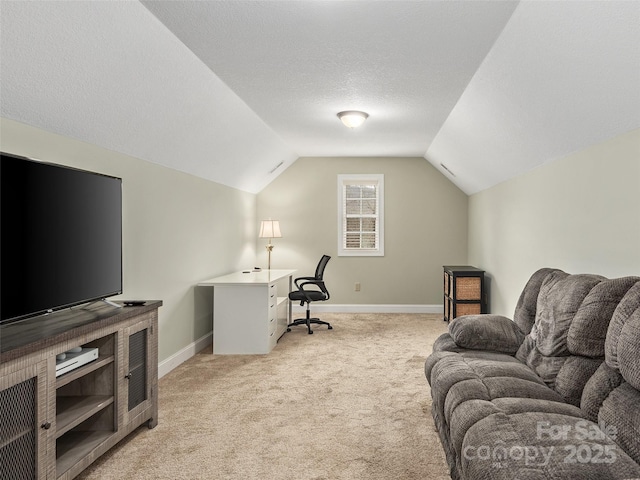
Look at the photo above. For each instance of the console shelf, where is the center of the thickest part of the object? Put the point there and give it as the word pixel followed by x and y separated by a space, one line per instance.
pixel 75 446
pixel 102 360
pixel 53 428
pixel 72 411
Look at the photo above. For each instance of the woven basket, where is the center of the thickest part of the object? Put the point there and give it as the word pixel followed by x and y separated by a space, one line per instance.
pixel 446 284
pixel 468 288
pixel 468 309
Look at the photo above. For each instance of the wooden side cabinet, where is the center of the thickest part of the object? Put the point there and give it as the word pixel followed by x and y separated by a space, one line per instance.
pixel 54 426
pixel 464 291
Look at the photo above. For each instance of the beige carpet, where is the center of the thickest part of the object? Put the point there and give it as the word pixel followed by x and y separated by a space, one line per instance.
pixel 348 403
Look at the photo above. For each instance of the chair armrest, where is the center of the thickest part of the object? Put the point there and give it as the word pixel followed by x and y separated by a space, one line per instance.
pixel 316 283
pixel 486 332
pixel 310 282
pixel 297 280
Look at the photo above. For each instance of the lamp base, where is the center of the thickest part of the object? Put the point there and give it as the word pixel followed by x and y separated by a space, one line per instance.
pixel 269 248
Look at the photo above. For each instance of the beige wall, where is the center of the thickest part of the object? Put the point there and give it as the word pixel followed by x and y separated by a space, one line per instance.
pixel 580 213
pixel 177 229
pixel 425 222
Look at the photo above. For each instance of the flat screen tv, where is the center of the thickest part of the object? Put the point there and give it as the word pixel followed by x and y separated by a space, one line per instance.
pixel 60 237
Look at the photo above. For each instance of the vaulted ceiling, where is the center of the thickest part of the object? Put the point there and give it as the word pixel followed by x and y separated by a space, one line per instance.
pixel 236 91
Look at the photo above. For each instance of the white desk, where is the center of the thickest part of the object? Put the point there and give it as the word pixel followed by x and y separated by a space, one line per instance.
pixel 248 315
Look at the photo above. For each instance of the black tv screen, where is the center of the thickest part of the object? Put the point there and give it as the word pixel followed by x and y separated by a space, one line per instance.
pixel 60 234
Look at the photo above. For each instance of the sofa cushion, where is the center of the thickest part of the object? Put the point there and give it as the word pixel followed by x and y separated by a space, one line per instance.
pixel 459 378
pixel 599 386
pixel 567 342
pixel 471 412
pixel 527 346
pixel 542 445
pixel 493 388
pixel 466 416
pixel 623 337
pixel 588 330
pixel 456 379
pixel 444 343
pixel 629 350
pixel 612 393
pixel 445 346
pixel 546 368
pixel 525 312
pixel 486 332
pixel 560 298
pixel 432 360
pixel 573 375
pixel 620 415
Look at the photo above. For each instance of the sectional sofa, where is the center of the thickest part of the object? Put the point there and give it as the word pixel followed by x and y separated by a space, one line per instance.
pixel 553 393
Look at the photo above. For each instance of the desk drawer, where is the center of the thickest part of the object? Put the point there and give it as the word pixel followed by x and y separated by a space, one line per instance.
pixel 273 301
pixel 273 314
pixel 273 321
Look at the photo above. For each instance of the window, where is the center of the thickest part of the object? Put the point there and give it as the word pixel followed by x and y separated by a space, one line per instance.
pixel 360 215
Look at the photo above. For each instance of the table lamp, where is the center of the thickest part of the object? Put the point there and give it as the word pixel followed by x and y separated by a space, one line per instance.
pixel 270 229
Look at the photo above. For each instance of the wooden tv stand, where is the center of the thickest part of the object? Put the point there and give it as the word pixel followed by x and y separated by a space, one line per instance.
pixel 55 427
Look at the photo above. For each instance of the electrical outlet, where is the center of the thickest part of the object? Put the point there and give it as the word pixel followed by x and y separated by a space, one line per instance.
pixel 357 286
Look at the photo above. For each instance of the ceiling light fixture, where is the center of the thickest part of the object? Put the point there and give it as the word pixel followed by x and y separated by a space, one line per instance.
pixel 353 118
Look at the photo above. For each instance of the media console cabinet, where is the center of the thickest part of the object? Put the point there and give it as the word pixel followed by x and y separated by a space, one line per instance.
pixel 55 427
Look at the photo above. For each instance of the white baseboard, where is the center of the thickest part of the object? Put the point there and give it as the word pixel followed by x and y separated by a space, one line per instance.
pixel 356 308
pixel 183 355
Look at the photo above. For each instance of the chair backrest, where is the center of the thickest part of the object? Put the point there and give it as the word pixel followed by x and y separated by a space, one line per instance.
pixel 321 264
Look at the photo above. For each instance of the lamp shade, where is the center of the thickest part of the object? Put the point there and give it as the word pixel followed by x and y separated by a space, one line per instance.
pixel 353 118
pixel 270 229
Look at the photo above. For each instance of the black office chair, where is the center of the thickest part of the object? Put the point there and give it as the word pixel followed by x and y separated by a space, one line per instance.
pixel 310 289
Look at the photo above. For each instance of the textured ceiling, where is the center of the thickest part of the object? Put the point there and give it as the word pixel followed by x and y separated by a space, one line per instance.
pixel 228 90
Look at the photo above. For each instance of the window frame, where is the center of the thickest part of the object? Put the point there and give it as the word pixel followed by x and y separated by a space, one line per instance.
pixel 360 179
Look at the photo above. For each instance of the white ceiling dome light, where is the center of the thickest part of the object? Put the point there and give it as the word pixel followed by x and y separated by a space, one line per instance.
pixel 353 118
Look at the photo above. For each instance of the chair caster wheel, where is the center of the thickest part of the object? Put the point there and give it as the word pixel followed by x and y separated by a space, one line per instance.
pixel 310 332
pixel 330 328
pixel 288 329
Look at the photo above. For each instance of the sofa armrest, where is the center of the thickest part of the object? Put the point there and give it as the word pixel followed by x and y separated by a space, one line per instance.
pixel 486 332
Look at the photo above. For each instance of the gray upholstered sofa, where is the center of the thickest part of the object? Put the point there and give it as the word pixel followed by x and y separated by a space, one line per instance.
pixel 553 394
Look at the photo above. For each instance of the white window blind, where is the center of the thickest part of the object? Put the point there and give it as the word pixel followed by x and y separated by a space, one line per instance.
pixel 360 215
